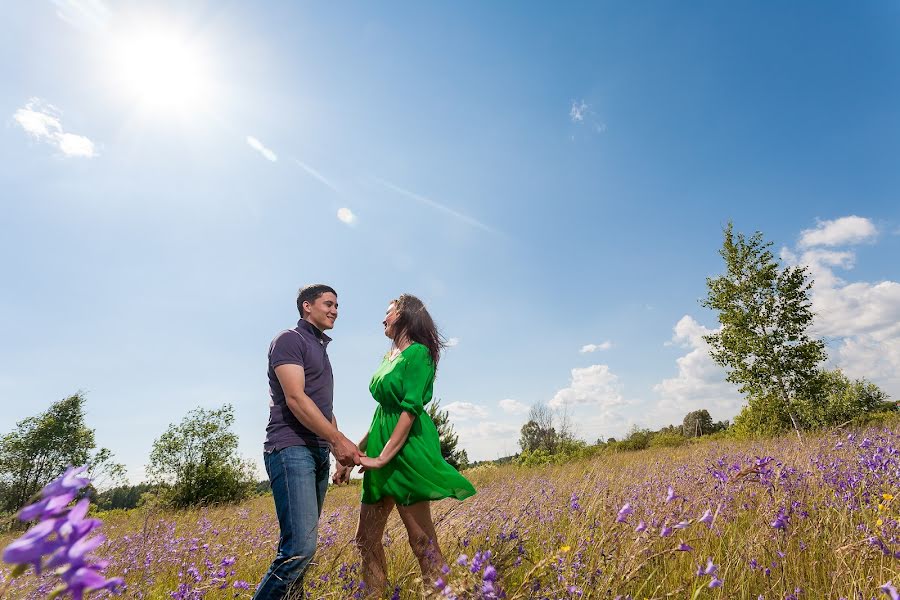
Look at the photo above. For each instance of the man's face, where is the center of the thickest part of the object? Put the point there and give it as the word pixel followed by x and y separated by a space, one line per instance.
pixel 323 311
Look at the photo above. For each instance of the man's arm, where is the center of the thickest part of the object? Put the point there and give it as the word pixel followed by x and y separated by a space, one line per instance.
pixel 293 380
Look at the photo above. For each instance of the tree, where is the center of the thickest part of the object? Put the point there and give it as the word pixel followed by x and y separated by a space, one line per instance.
pixel 458 458
pixel 123 496
pixel 697 423
pixel 43 446
pixel 196 462
pixel 538 433
pixel 764 312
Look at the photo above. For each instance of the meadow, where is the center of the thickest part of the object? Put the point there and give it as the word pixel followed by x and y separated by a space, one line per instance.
pixel 778 518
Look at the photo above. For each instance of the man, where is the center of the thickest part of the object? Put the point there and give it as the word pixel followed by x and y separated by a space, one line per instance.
pixel 302 427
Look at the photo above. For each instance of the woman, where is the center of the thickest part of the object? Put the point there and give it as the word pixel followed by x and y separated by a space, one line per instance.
pixel 403 466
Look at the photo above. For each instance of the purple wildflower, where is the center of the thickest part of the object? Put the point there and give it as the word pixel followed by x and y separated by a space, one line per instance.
pixel 682 547
pixel 710 569
pixel 670 495
pixel 62 537
pixel 781 520
pixel 641 526
pixel 715 583
pixel 707 517
pixel 890 590
pixel 624 512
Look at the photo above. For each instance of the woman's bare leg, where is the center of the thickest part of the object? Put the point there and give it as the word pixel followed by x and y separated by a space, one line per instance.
pixel 423 539
pixel 369 536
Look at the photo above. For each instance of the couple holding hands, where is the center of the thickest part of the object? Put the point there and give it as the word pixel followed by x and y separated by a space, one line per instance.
pixel 400 455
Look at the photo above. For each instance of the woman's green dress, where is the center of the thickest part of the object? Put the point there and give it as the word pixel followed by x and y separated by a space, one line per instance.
pixel 418 472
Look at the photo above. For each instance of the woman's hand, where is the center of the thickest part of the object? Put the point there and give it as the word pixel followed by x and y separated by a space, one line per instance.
pixel 371 464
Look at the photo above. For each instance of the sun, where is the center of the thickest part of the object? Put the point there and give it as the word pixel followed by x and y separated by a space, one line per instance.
pixel 162 70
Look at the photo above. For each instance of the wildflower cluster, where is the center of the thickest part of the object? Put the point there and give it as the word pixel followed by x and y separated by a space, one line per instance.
pixel 61 539
pixel 474 579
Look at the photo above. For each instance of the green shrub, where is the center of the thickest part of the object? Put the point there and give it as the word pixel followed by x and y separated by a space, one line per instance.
pixel 668 440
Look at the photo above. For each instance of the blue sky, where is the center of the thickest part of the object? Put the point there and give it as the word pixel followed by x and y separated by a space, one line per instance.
pixel 551 180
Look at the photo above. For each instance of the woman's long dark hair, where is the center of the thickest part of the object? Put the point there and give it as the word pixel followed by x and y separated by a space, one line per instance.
pixel 414 321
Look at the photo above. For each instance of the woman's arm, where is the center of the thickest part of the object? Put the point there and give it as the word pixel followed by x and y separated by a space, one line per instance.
pixel 363 443
pixel 418 378
pixel 393 445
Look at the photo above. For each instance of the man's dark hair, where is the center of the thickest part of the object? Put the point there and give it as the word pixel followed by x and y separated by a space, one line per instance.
pixel 309 293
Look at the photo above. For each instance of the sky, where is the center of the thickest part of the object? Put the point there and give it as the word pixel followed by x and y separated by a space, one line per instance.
pixel 551 180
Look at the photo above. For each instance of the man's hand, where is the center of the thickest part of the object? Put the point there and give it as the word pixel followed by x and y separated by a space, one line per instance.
pixel 345 451
pixel 341 475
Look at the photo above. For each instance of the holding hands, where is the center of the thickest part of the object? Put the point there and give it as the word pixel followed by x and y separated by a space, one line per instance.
pixel 371 464
pixel 346 452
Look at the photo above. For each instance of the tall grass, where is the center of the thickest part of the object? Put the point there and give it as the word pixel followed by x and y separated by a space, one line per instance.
pixel 787 519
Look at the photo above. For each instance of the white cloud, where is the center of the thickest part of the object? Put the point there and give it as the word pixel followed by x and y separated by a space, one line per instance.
pixel 76 145
pixel 463 411
pixel 452 342
pixel 37 123
pixel 580 114
pixel 860 319
pixel 576 113
pixel 513 407
pixel 700 382
pixel 489 440
pixel 839 232
pixel 345 215
pixel 259 147
pixel 595 385
pixel 594 347
pixel 42 122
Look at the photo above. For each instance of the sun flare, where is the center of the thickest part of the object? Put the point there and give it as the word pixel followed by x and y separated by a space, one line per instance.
pixel 162 70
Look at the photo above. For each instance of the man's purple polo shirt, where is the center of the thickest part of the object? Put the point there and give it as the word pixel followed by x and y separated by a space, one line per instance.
pixel 305 346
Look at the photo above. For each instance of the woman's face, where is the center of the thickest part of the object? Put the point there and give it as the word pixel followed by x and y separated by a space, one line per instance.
pixel 390 317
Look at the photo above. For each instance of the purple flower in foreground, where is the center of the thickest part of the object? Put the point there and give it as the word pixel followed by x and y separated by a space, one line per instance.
pixel 624 512
pixel 682 547
pixel 666 531
pixel 890 590
pixel 62 537
pixel 707 517
pixel 670 494
pixel 715 583
pixel 641 526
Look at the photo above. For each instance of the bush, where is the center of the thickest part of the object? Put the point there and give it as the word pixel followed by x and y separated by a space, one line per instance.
pixel 667 440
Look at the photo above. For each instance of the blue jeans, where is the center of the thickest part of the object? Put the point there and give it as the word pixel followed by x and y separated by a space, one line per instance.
pixel 299 477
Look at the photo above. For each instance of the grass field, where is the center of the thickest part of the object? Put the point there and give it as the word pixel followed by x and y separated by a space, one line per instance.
pixel 775 519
